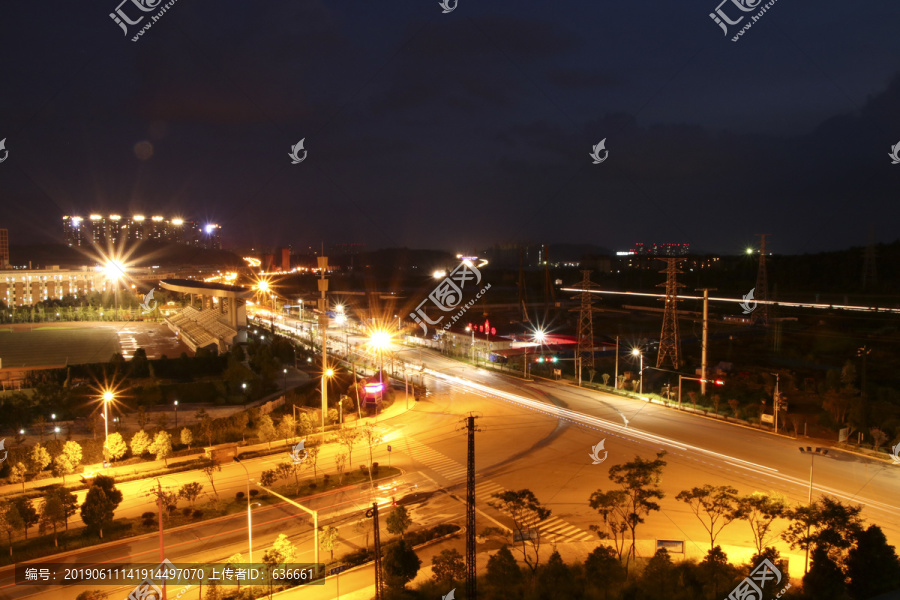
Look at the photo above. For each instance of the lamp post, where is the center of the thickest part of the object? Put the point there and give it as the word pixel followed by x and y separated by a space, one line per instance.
pixel 327 373
pixel 176 413
pixel 637 352
pixel 285 379
pixel 114 271
pixel 315 516
pixel 249 514
pixel 812 455
pixel 55 431
pixel 108 397
pixel 472 329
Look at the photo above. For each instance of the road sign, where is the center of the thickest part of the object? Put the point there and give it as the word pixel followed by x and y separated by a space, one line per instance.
pixel 389 447
pixel 337 569
pixel 767 418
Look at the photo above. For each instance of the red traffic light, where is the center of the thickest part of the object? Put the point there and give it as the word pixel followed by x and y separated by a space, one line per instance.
pixel 719 382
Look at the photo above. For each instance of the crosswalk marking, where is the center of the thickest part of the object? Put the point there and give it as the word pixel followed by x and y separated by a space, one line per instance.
pixel 553 527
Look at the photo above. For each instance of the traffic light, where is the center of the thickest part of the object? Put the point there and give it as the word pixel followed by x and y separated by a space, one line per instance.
pixel 719 382
pixel 553 359
pixel 539 359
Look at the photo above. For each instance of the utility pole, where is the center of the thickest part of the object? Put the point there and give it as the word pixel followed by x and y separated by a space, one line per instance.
pixel 323 326
pixel 760 316
pixel 776 402
pixel 669 342
pixel 470 509
pixel 616 380
pixel 162 549
pixel 372 513
pixel 703 345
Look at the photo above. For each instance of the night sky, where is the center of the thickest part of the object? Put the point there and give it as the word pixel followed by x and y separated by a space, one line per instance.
pixel 458 130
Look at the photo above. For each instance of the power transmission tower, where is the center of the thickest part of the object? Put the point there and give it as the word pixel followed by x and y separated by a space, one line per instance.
pixel 669 342
pixel 760 316
pixel 585 349
pixel 470 509
pixel 372 513
pixel 870 272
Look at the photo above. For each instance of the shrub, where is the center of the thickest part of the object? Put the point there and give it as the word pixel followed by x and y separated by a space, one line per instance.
pixel 197 514
pixel 239 496
pixel 364 469
pixel 325 479
pixel 186 511
pixel 148 515
pixel 374 468
pixel 148 523
pixel 254 493
pixel 171 508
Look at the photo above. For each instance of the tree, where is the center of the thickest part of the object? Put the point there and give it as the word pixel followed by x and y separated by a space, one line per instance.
pixel 613 508
pixel 288 427
pixel 716 570
pixel 281 552
pixel 265 429
pixel 268 477
pixel 328 539
pixel 347 437
pixel 139 443
pixel 116 446
pixel 826 523
pixel 364 527
pixel 659 577
pixel 640 480
pixel 190 492
pixel 312 459
pixel 448 567
pixel 10 522
pixel 52 514
pixel 714 506
pixel 526 512
pixel 39 458
pixel 69 503
pixel 17 474
pixel 235 561
pixel 210 470
pixel 372 438
pixel 100 504
pixel 206 425
pixel 825 580
pixel 760 511
pixel 872 565
pixel 503 573
pixel 68 459
pixel 340 460
pixel 401 564
pixel 162 446
pixel 26 510
pixel 187 437
pixel 556 579
pixel 604 569
pixel 399 521
pixel 304 424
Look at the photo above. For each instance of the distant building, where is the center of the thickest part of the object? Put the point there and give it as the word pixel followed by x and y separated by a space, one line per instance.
pixel 656 249
pixel 27 287
pixel 113 229
pixel 4 248
pixel 285 259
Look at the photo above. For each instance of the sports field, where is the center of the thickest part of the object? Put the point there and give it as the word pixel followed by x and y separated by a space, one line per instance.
pixel 42 345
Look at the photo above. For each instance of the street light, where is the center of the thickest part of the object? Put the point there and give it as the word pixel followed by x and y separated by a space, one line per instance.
pixel 115 271
pixel 472 329
pixel 285 379
pixel 108 397
pixel 315 516
pixel 55 431
pixel 812 455
pixel 176 414
pixel 327 373
pixel 249 517
pixel 637 352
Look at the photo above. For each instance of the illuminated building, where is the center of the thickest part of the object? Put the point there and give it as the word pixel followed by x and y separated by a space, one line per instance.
pixel 27 287
pixel 4 248
pixel 112 229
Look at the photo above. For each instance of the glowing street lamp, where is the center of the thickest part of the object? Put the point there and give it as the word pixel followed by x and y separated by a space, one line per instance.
pixel 114 272
pixel 380 339
pixel 471 329
pixel 108 397
pixel 637 352
pixel 327 373
pixel 176 413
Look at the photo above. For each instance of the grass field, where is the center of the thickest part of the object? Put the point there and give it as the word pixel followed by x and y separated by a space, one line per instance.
pixel 46 346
